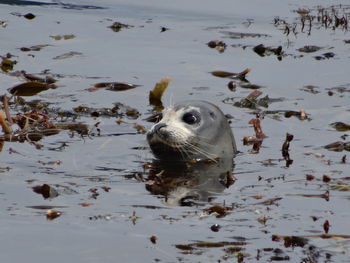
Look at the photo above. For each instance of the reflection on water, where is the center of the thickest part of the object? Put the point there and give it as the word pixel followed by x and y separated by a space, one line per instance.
pixel 185 184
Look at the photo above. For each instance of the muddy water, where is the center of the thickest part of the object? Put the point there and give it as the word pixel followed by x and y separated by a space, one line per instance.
pixel 268 198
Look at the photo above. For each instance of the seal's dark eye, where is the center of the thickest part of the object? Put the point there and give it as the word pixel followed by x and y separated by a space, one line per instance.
pixel 191 117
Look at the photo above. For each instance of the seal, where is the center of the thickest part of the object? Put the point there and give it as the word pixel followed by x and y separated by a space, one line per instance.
pixel 192 130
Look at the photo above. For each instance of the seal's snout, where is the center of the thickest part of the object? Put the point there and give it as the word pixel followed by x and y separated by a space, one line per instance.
pixel 158 127
pixel 157 131
pixel 160 130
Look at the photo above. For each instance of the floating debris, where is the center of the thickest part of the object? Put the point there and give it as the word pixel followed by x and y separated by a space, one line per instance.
pixel 270 201
pixel 7 64
pixel 326 226
pixel 31 77
pixel 241 35
pixel 311 89
pixel 31 88
pixel 133 218
pixel 155 95
pixel 219 211
pixel 156 117
pixel 218 45
pixel 256 140
pixel 302 11
pixel 68 55
pixel 228 180
pixel 153 239
pixel 252 101
pixel 119 110
pixel 225 74
pixel 285 149
pixel 232 85
pixel 85 204
pixel 291 241
pixel 263 51
pixel 113 86
pixel 309 177
pixel 325 56
pixel 338 146
pixel 33 48
pixel 117 26
pixel 341 187
pixel 215 228
pixel 4 24
pixel 46 191
pixel 5 127
pixel 257 128
pixel 29 16
pixel 324 195
pixel 246 85
pixel 309 49
pixel 64 37
pixel 52 214
pixel 327 18
pixel 340 126
pixel 196 246
pixel 301 115
pixel 301 241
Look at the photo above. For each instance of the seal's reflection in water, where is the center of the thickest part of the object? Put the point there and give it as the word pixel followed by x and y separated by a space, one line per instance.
pixel 187 184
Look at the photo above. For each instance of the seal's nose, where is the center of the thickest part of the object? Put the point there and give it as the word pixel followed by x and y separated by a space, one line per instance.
pixel 157 128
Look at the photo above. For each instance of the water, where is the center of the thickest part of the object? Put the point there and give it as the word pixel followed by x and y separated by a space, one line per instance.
pixel 106 231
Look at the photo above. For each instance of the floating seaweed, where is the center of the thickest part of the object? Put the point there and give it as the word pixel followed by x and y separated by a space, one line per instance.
pixel 68 55
pixel 31 88
pixel 33 48
pixel 263 51
pixel 218 45
pixel 64 37
pixel 285 149
pixel 309 49
pixel 226 74
pixel 7 64
pixel 113 86
pixel 46 191
pixel 155 95
pixel 117 26
pixel 338 146
pixel 252 101
pixel 340 126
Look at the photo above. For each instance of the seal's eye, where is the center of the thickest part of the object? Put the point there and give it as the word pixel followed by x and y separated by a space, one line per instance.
pixel 191 117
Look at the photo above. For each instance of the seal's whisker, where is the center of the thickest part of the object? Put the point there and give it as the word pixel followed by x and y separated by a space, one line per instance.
pixel 201 151
pixel 182 151
pixel 185 151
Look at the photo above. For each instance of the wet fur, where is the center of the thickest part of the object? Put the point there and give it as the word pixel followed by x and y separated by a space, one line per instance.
pixel 173 139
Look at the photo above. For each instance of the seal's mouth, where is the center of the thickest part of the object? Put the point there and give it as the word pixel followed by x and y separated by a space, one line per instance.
pixel 168 152
pixel 165 146
pixel 166 137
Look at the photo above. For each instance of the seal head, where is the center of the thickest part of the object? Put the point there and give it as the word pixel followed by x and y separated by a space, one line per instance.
pixel 192 130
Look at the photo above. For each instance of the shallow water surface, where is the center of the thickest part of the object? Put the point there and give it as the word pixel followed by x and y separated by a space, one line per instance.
pixel 111 204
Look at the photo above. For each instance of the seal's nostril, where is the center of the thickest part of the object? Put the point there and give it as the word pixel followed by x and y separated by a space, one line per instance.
pixel 159 126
